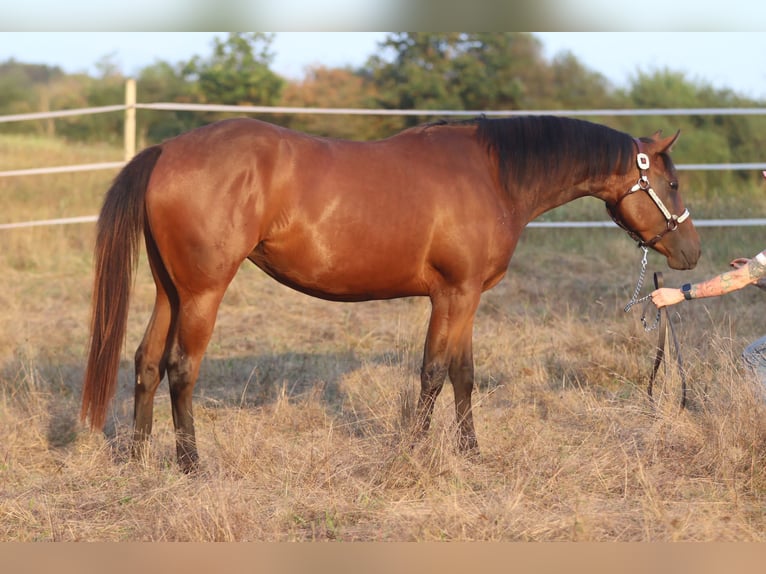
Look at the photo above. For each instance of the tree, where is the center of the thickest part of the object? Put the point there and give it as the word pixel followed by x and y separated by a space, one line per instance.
pixel 23 89
pixel 499 71
pixel 420 75
pixel 163 82
pixel 573 86
pixel 332 88
pixel 468 71
pixel 237 72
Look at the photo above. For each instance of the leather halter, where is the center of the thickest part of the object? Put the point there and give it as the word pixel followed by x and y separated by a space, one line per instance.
pixel 672 221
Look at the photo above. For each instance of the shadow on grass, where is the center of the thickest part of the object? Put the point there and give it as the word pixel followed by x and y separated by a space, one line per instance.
pixel 224 382
pixel 245 382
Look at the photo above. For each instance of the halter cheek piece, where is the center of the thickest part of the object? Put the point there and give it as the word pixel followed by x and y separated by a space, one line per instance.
pixel 671 221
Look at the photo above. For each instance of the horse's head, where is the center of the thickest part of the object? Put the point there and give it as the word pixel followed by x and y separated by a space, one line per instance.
pixel 650 208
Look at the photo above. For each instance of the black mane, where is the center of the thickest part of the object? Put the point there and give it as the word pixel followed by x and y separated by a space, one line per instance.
pixel 554 150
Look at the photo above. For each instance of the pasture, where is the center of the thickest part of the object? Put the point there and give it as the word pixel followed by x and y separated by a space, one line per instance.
pixel 303 407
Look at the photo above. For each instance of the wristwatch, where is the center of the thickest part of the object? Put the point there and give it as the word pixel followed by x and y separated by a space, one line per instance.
pixel 686 289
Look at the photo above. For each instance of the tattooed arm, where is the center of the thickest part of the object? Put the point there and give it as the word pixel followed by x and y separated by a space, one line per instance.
pixel 737 263
pixel 745 272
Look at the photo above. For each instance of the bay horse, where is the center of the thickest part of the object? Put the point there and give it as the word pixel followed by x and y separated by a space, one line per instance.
pixel 433 211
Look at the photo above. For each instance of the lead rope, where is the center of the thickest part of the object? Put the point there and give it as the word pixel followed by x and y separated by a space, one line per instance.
pixel 668 324
pixel 635 299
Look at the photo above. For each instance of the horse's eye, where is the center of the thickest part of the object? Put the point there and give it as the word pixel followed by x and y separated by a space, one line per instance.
pixel 674 185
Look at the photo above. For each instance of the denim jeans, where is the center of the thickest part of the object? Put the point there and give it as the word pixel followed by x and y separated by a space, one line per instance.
pixel 755 358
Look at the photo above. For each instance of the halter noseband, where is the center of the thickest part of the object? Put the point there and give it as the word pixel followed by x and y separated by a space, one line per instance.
pixel 671 221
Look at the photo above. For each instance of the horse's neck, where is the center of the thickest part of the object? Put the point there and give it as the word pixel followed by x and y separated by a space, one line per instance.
pixel 548 196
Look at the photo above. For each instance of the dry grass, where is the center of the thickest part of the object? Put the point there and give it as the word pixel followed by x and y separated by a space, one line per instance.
pixel 303 406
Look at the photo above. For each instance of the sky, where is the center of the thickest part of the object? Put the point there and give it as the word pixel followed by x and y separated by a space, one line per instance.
pixel 733 60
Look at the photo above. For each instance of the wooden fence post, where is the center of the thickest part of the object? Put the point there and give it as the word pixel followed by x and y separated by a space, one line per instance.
pixel 130 119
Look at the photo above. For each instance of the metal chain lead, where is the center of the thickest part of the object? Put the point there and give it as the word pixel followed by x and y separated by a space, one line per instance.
pixel 640 283
pixel 635 299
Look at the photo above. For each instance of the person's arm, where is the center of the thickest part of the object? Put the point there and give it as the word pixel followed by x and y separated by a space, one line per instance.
pixel 737 263
pixel 746 274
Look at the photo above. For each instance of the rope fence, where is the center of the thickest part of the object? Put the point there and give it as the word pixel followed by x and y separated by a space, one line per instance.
pixel 130 107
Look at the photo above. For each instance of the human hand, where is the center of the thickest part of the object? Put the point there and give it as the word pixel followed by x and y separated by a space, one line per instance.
pixel 666 296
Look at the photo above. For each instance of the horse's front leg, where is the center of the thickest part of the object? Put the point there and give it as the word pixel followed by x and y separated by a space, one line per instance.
pixel 461 375
pixel 448 349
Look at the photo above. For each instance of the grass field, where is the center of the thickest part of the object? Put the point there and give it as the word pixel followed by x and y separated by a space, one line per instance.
pixel 303 406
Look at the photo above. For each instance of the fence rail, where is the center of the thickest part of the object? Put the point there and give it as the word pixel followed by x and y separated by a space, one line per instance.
pixel 61 113
pixel 180 107
pixel 131 105
pixel 63 169
pixel 532 224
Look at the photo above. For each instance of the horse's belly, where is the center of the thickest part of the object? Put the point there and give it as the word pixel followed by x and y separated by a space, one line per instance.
pixel 341 274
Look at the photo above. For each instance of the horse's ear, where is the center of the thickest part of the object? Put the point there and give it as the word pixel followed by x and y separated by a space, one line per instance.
pixel 664 145
pixel 667 144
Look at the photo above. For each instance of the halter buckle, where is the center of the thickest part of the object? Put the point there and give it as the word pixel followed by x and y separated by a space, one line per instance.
pixel 642 160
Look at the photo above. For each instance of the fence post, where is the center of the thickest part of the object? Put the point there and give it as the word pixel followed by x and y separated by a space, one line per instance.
pixel 130 119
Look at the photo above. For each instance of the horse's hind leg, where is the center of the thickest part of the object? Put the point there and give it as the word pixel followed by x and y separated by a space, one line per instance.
pixel 150 368
pixel 196 319
pixel 151 355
